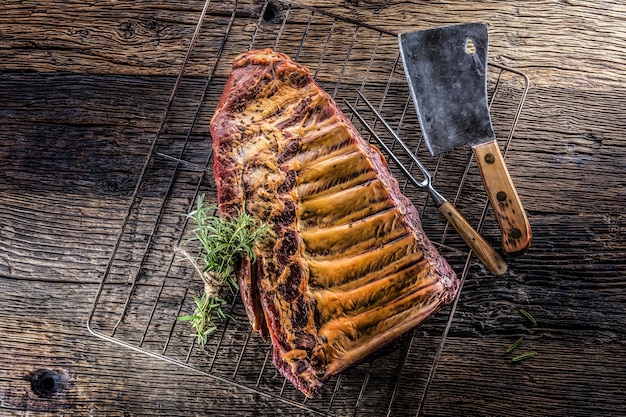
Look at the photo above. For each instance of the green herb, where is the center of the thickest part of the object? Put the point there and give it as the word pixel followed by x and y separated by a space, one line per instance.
pixel 514 345
pixel 528 316
pixel 202 318
pixel 524 356
pixel 225 241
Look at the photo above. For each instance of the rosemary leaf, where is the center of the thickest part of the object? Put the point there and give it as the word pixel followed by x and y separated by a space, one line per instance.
pixel 514 345
pixel 528 316
pixel 188 318
pixel 524 356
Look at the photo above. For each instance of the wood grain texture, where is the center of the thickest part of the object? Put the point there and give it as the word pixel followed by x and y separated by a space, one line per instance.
pixel 557 43
pixel 111 37
pixel 553 283
pixel 102 379
pixel 83 88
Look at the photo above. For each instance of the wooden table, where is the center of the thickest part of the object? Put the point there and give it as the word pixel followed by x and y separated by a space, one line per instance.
pixel 83 87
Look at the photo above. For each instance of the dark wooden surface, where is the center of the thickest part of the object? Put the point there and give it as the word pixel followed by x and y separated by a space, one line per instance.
pixel 83 87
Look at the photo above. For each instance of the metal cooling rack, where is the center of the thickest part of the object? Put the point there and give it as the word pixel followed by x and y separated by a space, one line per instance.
pixel 146 286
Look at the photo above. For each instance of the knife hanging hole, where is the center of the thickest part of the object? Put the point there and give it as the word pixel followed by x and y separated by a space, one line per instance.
pixel 470 48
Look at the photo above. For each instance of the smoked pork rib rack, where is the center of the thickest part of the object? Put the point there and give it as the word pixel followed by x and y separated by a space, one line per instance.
pixel 347 268
pixel 145 286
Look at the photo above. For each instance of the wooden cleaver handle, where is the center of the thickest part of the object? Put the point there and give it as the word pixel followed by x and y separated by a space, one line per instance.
pixel 505 202
pixel 483 250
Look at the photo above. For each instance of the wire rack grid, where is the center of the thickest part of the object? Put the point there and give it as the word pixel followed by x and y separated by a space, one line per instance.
pixel 146 285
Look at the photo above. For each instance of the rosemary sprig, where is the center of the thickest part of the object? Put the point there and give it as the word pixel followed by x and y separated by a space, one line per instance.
pixel 202 318
pixel 225 241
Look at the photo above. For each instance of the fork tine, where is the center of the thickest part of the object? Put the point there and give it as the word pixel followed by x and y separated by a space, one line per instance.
pixel 386 148
pixel 395 136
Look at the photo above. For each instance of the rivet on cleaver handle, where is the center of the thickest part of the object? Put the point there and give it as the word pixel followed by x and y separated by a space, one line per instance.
pixel 447 73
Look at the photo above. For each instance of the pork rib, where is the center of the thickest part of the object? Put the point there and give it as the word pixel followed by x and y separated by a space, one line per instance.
pixel 346 268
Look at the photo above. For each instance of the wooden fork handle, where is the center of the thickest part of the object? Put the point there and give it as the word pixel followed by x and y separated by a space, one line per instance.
pixel 483 250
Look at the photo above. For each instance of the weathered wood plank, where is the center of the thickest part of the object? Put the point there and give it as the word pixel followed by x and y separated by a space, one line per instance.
pixel 72 153
pixel 568 151
pixel 110 37
pixel 567 43
pixel 66 132
pixel 482 330
pixel 45 325
pixel 559 43
pixel 72 146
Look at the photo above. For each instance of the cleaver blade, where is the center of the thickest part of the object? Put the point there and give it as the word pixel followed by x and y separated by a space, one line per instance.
pixel 446 69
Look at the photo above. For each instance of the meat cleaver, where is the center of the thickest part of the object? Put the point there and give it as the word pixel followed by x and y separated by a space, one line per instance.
pixel 446 69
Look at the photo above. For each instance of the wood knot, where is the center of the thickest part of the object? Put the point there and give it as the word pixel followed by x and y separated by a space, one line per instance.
pixel 126 30
pixel 46 383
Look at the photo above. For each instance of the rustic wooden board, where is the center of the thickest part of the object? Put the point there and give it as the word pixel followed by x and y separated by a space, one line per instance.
pixel 102 378
pixel 567 43
pixel 564 43
pixel 82 92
